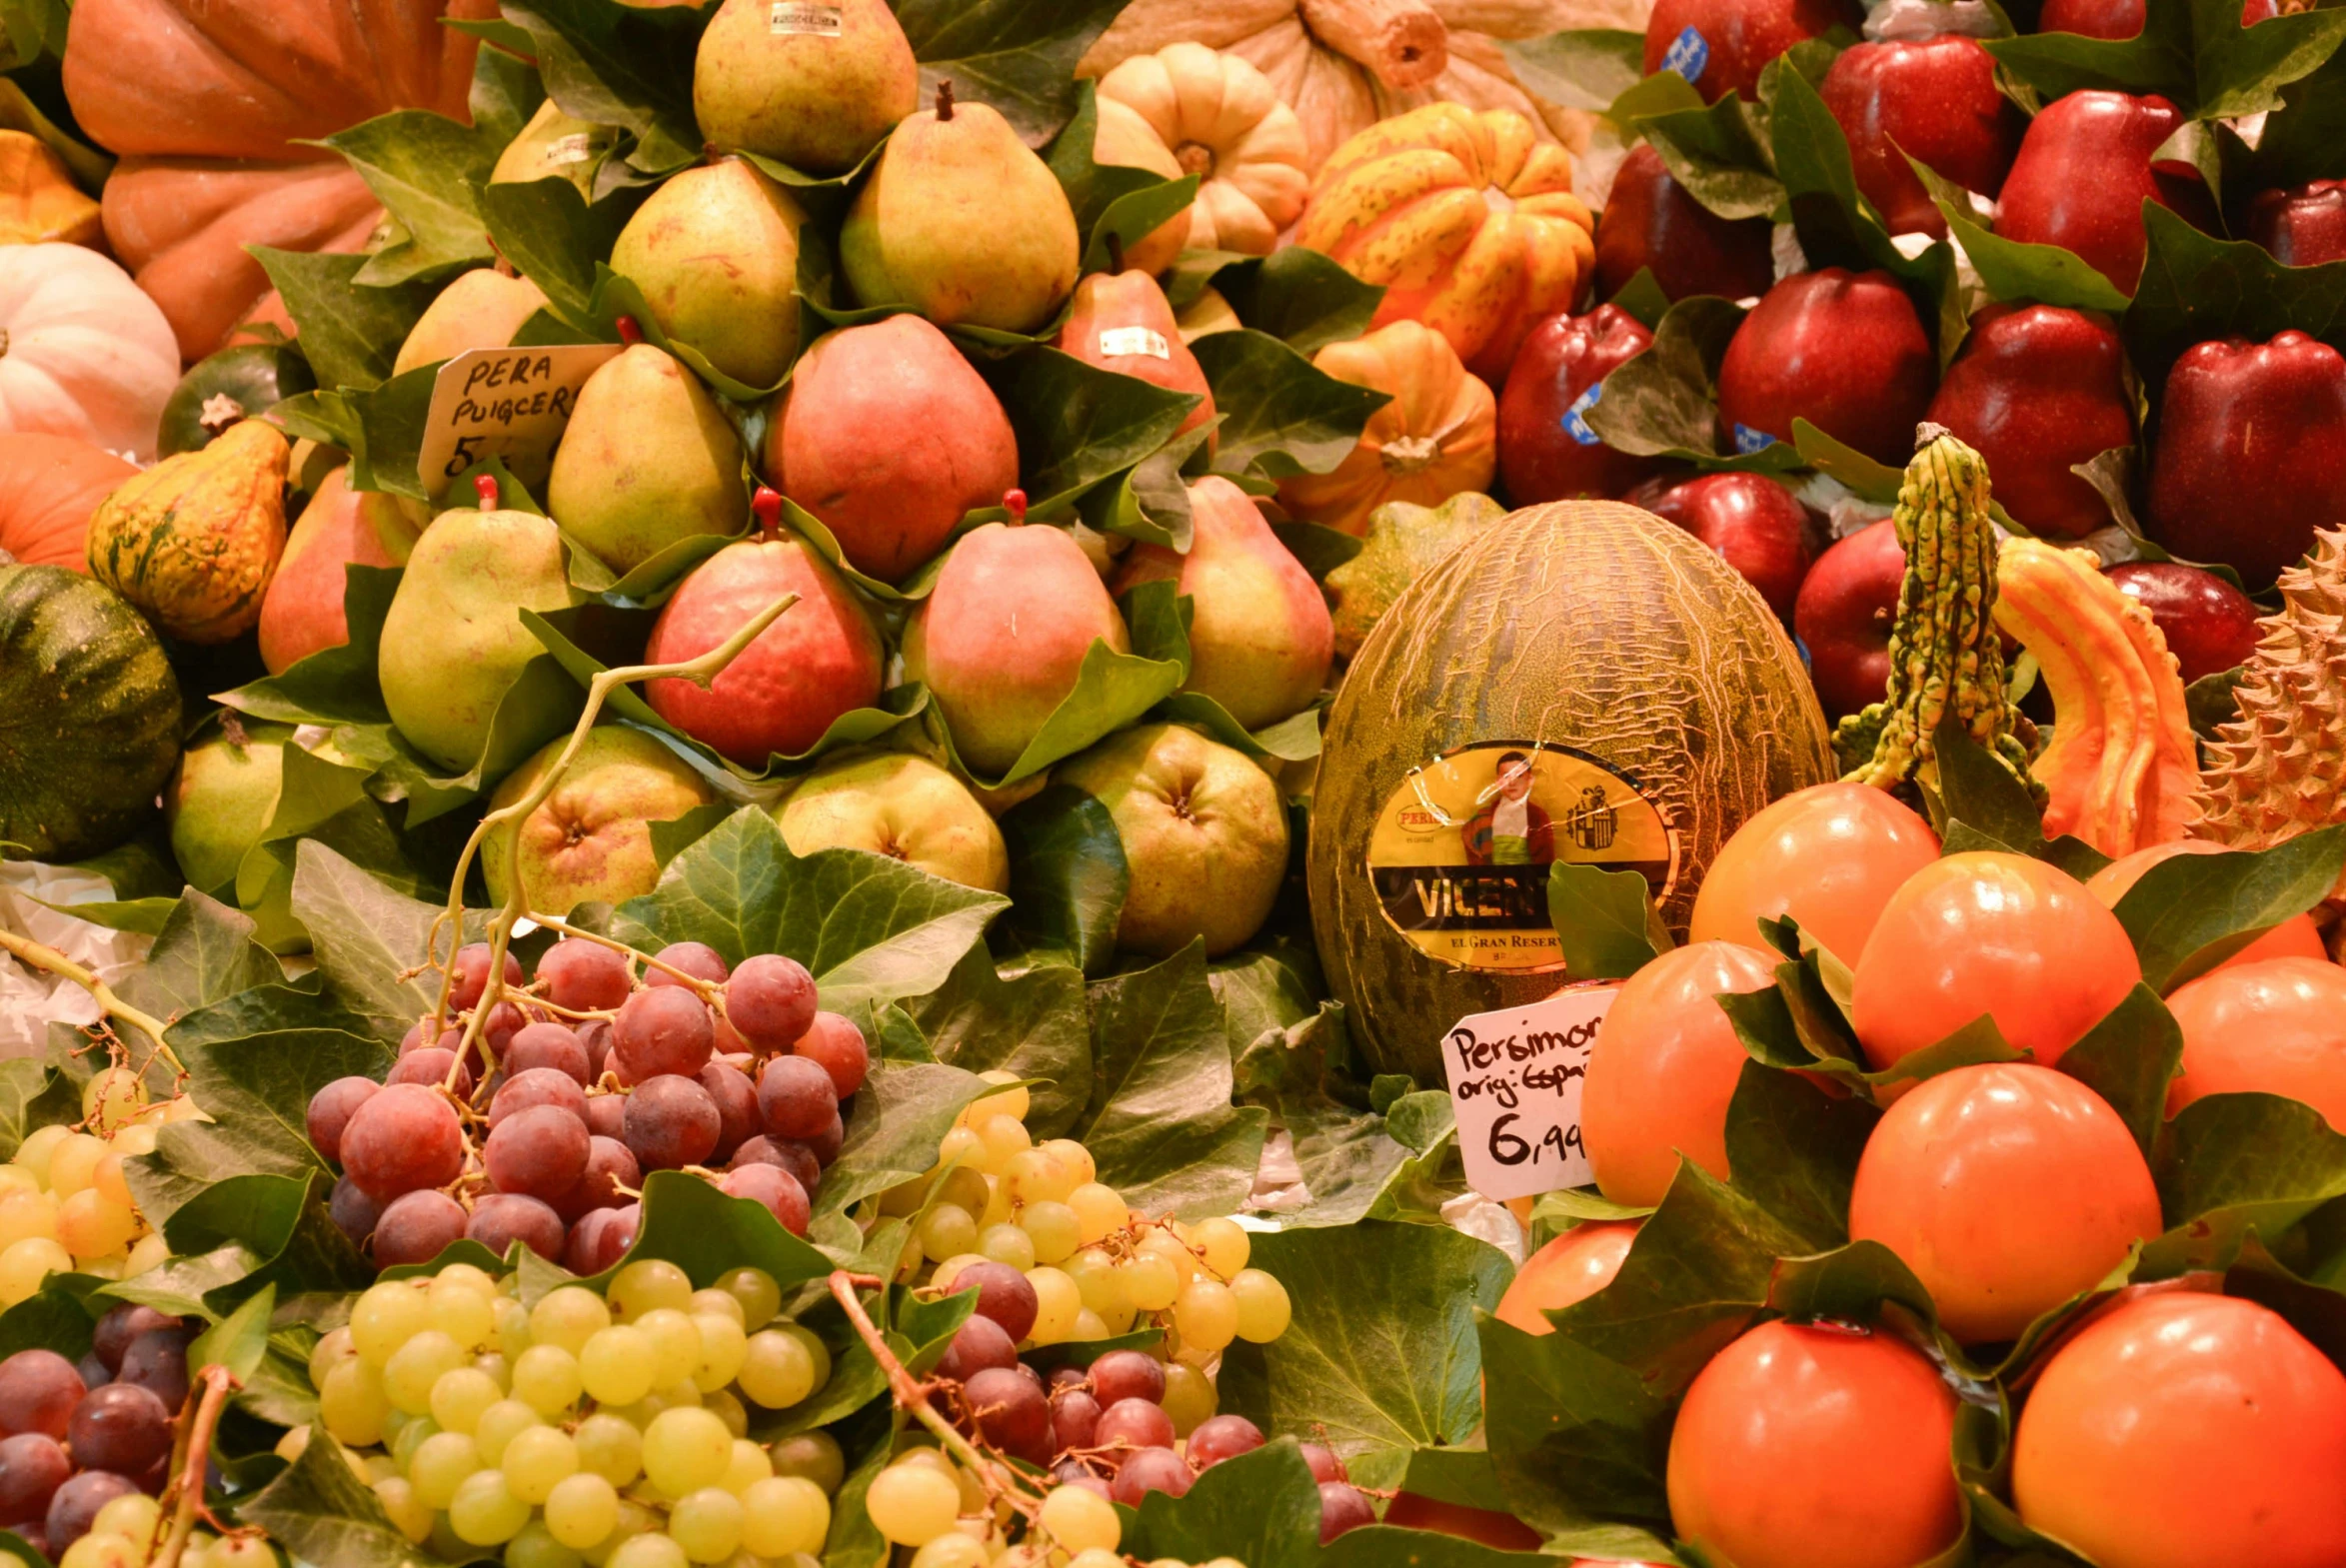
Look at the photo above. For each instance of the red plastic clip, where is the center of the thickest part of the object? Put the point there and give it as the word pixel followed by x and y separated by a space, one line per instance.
pixel 1013 502
pixel 485 487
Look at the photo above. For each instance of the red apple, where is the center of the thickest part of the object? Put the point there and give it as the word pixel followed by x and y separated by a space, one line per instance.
pixel 2120 18
pixel 2036 389
pixel 1844 617
pixel 1650 220
pixel 2251 453
pixel 1757 526
pixel 1844 350
pixel 1721 45
pixel 2082 173
pixel 1935 100
pixel 1486 1526
pixel 2303 226
pixel 1546 452
pixel 2209 625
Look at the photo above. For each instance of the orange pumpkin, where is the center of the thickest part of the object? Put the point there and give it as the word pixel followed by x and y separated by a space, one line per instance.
pixel 49 485
pixel 205 101
pixel 38 199
pixel 1466 217
pixel 1437 438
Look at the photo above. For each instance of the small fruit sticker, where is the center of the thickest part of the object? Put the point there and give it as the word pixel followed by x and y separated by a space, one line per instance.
pixel 1690 54
pixel 1462 851
pixel 798 18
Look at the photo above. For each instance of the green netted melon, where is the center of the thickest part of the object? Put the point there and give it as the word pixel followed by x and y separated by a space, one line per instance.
pixel 89 715
pixel 1652 682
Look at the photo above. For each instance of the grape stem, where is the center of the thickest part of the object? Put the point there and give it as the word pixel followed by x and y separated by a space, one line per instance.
pixel 40 956
pixel 188 1458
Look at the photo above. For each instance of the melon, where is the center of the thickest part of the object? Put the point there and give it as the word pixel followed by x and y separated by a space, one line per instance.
pixel 1583 681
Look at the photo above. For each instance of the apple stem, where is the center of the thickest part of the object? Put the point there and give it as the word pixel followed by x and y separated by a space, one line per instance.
pixel 631 331
pixel 485 487
pixel 944 99
pixel 766 506
pixel 1013 502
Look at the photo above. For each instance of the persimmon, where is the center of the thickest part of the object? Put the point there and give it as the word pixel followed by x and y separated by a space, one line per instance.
pixel 2295 937
pixel 1829 856
pixel 1572 1268
pixel 2007 1190
pixel 2184 1430
pixel 1814 1446
pixel 2278 1026
pixel 1664 1068
pixel 1989 933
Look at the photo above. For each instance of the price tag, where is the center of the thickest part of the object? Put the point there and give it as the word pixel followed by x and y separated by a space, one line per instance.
pixel 1515 1077
pixel 802 18
pixel 1120 341
pixel 577 147
pixel 1575 421
pixel 496 403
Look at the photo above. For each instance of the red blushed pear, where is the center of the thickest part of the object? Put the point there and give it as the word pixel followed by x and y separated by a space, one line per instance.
pixel 1546 450
pixel 820 659
pixel 1754 524
pixel 340 527
pixel 2081 176
pixel 2121 18
pixel 1844 350
pixel 1121 321
pixel 1650 221
pixel 2250 455
pixel 1935 100
pixel 2304 226
pixel 1723 45
pixel 1843 615
pixel 2038 389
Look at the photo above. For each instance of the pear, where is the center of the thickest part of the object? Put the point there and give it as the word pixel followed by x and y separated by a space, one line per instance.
pixel 591 839
pixel 1206 315
pixel 815 83
pixel 647 459
pixel 481 310
pixel 558 146
pixel 716 251
pixel 454 639
pixel 220 802
pixel 341 528
pixel 963 223
pixel 1260 636
pixel 902 807
pixel 1123 322
pixel 1002 638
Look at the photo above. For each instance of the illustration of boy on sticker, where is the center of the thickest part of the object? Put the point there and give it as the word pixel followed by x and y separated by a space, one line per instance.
pixel 1511 829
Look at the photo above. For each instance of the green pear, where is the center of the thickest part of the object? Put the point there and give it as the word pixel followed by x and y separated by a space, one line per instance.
pixel 591 839
pixel 716 251
pixel 453 641
pixel 961 222
pixel 904 807
pixel 221 797
pixel 815 83
pixel 554 145
pixel 482 309
pixel 647 459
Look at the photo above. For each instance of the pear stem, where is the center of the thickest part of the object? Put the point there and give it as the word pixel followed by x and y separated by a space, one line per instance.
pixel 631 331
pixel 766 506
pixel 944 99
pixel 485 487
pixel 1013 502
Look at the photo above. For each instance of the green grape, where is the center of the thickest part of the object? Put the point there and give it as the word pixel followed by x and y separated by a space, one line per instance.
pixel 75 1166
pixel 1189 1397
pixel 26 1264
pixel 1053 1229
pixel 1225 1245
pixel 1080 1520
pixel 499 1370
pixel 415 1366
pixel 723 1349
pixel 485 1512
pixel 685 1450
pixel 408 1513
pixel 34 1154
pixel 468 1277
pixel 537 1460
pixel 611 1448
pixel 1090 1557
pixel 1264 1308
pixel 1036 1175
pixel 756 1290
pixel 730 1410
pixel 707 1524
pixel 1149 1281
pixel 1003 1139
pixel 950 1268
pixel 714 1300
pixel 582 1509
pixel 617 1366
pixel 953 1550
pixel 1206 1314
pixel 646 1284
pixel 385 1317
pixel 647 1551
pixel 676 1396
pixel 460 1397
pixel 1056 1301
pixel 634 1519
pixel 410 1436
pixel 133 1515
pixel 293 1444
pixel 747 1466
pixel 499 1425
pixel 1099 1211
pixel 783 1514
pixel 513 1328
pixel 1090 1325
pixel 964 1150
pixel 945 1229
pixel 1010 1101
pixel 568 1318
pixel 96 1550
pixel 536 1547
pixel 777 1368
pixel 912 1504
pixel 352 1403
pixel 676 1344
pixel 546 1378
pixel 442 1463
pixel 1006 1245
pixel 812 1456
pixel 1076 1158
pixel 1166 1244
pixel 445 1544
pixel 465 1312
pixel 332 1347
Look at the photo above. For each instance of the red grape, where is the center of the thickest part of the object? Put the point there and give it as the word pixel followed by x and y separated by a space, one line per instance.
pixel 775 1187
pixel 75 1504
pixel 157 1362
pixel 504 1020
pixel 609 1168
pixel 330 1111
pixel 1004 1294
pixel 1326 1467
pixel 977 1344
pixel 582 975
pixel 671 1122
pixel 472 975
pixel 770 1000
pixel 417 1229
pixel 838 1046
pixel 1076 1416
pixel 606 1115
pixel 429 1067
pixel 120 1427
pixel 1223 1437
pixel 596 1038
pixel 796 1097
pixel 1151 1470
pixel 1342 1508
pixel 32 1467
pixel 354 1213
pixel 406 1138
pixel 1128 1374
pixel 602 1239
pixel 737 1105
pixel 552 1047
pixel 502 1218
pixel 791 1156
pixel 120 1326
pixel 662 1031
pixel 824 1145
pixel 1073 1472
pixel 697 959
pixel 1132 1423
pixel 1010 1411
pixel 540 1153
pixel 38 1390
pixel 535 1087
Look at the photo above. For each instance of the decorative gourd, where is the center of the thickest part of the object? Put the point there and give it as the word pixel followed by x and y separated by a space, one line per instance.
pixel 1125 140
pixel 49 485
pixel 1589 626
pixel 38 199
pixel 229 386
pixel 2121 768
pixel 207 101
pixel 83 352
pixel 1405 541
pixel 1945 657
pixel 89 715
pixel 1438 437
pixel 194 541
pixel 1218 118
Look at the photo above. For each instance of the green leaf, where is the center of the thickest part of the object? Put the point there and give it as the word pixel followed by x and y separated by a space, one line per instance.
pixel 1260 1508
pixel 901 1114
pixel 320 1512
pixel 549 233
pixel 1016 55
pixel 1868 478
pixel 1605 921
pixel 2196 287
pixel 1112 690
pixel 2190 913
pixel 1282 415
pixel 1033 1024
pixel 1132 217
pixel 364 935
pixel 2195 52
pixel 1836 225
pixel 422 167
pixel 1321 548
pixel 350 333
pixel 1793 1150
pixel 1067 879
pixel 1301 297
pixel 1642 298
pixel 204 954
pixel 1852 1282
pixel 28 1101
pixel 1586 68
pixel 689 1222
pixel 2129 1060
pixel 2302 139
pixel 1580 1443
pixel 239 1340
pixel 57 1317
pixel 1077 424
pixel 615 64
pixel 2264 1159
pixel 1717 153
pixel 1660 402
pixel 336 685
pixel 2017 269
pixel 2210 700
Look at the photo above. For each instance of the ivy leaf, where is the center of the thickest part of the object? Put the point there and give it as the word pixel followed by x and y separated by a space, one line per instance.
pixel 689 1222
pixel 2305 139
pixel 334 686
pixel 2190 913
pixel 893 1136
pixel 1585 68
pixel 1077 423
pixel 320 1512
pixel 1016 55
pixel 1281 415
pixel 239 1340
pixel 614 64
pixel 206 954
pixel 1580 1443
pixel 1660 403
pixel 1605 920
pixel 1067 879
pixel 1260 1508
pixel 2195 52
pixel 350 333
pixel 28 1103
pixel 1033 1024
pixel 1717 153
pixel 549 233
pixel 56 1318
pixel 422 167
pixel 364 934
pixel 2196 287
pixel 1301 297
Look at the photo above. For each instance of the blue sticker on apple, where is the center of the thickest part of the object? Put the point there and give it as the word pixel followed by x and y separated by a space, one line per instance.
pixel 1576 420
pixel 1748 440
pixel 1688 53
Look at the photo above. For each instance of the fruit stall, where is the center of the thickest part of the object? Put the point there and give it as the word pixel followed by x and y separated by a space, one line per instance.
pixel 1130 783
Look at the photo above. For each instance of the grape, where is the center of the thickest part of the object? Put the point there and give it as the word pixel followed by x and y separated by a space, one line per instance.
pixel 25 1264
pixel 1341 1507
pixel 529 1088
pixel 429 1067
pixel 415 1366
pixel 1133 1424
pixel 354 1213
pixel 418 1227
pixel 1075 1472
pixel 977 1344
pixel 92 1372
pixel 616 1365
pixel 648 1285
pixel 1263 1309
pixel 330 1112
pixel 783 1514
pixel 485 1512
pixel 1081 1520
pixel 74 1506
pixel 1075 1417
pixel 660 1030
pixel 736 1100
pixel 582 1509
pixel 707 1524
pixel 499 1425
pixel 671 1122
pixel 459 1400
pixel 1054 1228
pixel 775 1187
pixel 912 1504
pixel 1128 1374
pixel 770 1000
pixel 1223 1244
pixel 1004 1294
pixel 540 1153
pixel 839 1046
pixel 1206 1314
pixel 606 1114
pixel 1009 1244
pixel 686 1449
pixel 440 1464
pixel 1010 1411
pixel 947 1230
pixel 600 1239
pixel 647 1551
pixel 723 1349
pixel 1099 1212
pixel 790 1154
pixel 1149 1470
pixel 75 1164
pixel 120 1427
pixel 404 1139
pixel 696 959
pixel 595 1035
pixel 609 1168
pixel 120 1326
pixel 537 1460
pixel 1223 1437
pixel 549 1047
pixel 38 1391
pixel 470 970
pixel 502 1218
pixel 782 1367
pixel 797 1099
pixel 824 1145
pixel 568 1317
pixel 1189 1397
pixel 676 1345
pixel 157 1362
pixel 32 1467
pixel 611 1448
pixel 27 1216
pixel 1326 1467
pixel 584 975
pixel 1057 1303
pixel 134 1515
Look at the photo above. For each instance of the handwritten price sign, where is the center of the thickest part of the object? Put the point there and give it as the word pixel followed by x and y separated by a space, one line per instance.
pixel 503 403
pixel 1516 1078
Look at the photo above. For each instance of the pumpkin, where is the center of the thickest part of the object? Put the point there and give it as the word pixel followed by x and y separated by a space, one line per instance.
pixel 206 102
pixel 1436 438
pixel 83 352
pixel 1659 698
pixel 1215 115
pixel 194 541
pixel 220 389
pixel 38 199
pixel 49 485
pixel 1466 218
pixel 89 714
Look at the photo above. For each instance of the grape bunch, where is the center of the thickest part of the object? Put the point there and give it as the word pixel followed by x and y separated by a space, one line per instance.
pixel 85 1449
pixel 594 1077
pixel 64 1203
pixel 608 1428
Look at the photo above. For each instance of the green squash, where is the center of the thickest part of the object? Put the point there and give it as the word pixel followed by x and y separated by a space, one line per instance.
pixel 89 715
pixel 228 386
pixel 1404 542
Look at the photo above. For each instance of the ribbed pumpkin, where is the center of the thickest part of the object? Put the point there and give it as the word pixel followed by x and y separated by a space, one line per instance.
pixel 83 353
pixel 1438 437
pixel 38 199
pixel 1466 217
pixel 89 715
pixel 1586 625
pixel 49 485
pixel 1217 117
pixel 193 541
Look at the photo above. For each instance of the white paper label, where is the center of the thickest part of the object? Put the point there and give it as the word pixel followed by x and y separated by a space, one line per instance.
pixel 1515 1077
pixel 1118 341
pixel 577 147
pixel 804 17
pixel 494 403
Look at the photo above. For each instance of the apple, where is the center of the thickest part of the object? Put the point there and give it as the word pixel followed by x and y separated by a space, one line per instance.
pixel 1844 350
pixel 2120 18
pixel 1935 100
pixel 1652 221
pixel 1721 45
pixel 2036 389
pixel 2081 175
pixel 904 807
pixel 2303 226
pixel 1546 452
pixel 1844 617
pixel 2250 455
pixel 1757 526
pixel 2209 625
pixel 591 839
